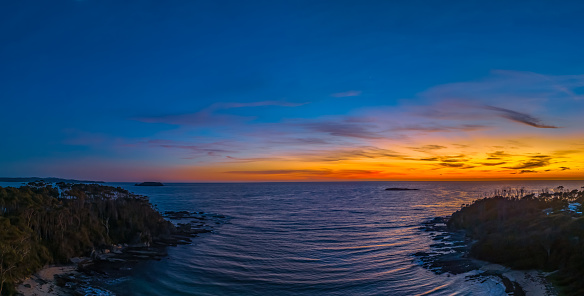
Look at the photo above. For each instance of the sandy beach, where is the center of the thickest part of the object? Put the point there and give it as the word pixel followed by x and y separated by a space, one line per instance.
pixel 532 282
pixel 43 282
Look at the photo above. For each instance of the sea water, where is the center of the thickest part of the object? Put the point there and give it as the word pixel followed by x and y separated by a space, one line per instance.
pixel 337 238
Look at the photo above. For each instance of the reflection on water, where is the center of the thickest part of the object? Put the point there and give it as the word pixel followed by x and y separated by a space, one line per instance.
pixel 350 238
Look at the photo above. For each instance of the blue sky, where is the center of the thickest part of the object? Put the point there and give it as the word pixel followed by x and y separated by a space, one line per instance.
pixel 148 89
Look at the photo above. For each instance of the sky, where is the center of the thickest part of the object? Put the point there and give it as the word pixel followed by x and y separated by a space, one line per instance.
pixel 230 91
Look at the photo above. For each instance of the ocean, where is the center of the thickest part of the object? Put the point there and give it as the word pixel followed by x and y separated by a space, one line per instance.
pixel 336 238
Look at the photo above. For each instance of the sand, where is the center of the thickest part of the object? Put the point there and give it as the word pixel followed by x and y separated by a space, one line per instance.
pixel 532 282
pixel 43 282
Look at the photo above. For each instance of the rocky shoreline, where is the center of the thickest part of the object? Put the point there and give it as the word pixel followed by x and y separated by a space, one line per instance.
pixel 450 254
pixel 86 275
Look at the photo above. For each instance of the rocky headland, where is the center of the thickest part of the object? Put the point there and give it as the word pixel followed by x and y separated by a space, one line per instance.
pixel 538 236
pixel 72 236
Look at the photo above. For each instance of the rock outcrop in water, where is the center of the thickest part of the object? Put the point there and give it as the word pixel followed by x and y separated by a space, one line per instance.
pixel 529 231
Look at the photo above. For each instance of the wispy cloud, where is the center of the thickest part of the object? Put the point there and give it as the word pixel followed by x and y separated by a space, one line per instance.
pixel 227 105
pixel 231 159
pixel 210 116
pixel 519 117
pixel 318 173
pixel 202 118
pixel 351 93
pixel 531 99
pixel 341 154
pixel 501 85
pixel 344 129
pixel 497 155
pixel 476 127
pixel 428 148
pixel 299 141
pixel 433 127
pixel 196 150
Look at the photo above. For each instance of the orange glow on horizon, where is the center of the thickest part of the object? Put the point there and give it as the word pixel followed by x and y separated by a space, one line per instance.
pixel 480 158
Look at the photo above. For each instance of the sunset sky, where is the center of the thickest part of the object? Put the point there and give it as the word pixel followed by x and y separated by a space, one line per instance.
pixel 209 91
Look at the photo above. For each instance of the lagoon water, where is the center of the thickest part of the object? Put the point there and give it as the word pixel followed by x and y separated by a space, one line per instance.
pixel 342 238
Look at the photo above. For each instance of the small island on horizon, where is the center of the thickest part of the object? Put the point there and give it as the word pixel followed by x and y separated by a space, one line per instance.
pixel 149 184
pixel 400 189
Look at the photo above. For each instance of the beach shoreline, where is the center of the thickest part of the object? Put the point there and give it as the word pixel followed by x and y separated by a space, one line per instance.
pixel 43 283
pixel 451 254
pixel 529 282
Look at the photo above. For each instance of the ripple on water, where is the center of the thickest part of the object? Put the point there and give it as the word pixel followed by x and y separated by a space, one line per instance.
pixel 350 238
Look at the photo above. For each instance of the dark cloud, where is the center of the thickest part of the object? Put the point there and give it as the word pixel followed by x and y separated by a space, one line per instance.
pixel 459 165
pixel 428 159
pixel 497 155
pixel 519 117
pixel 527 171
pixel 564 168
pixel 492 163
pixel 457 158
pixel 445 159
pixel 452 165
pixel 537 161
pixel 427 148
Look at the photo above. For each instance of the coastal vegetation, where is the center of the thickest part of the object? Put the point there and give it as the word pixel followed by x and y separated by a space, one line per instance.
pixel 42 224
pixel 529 231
